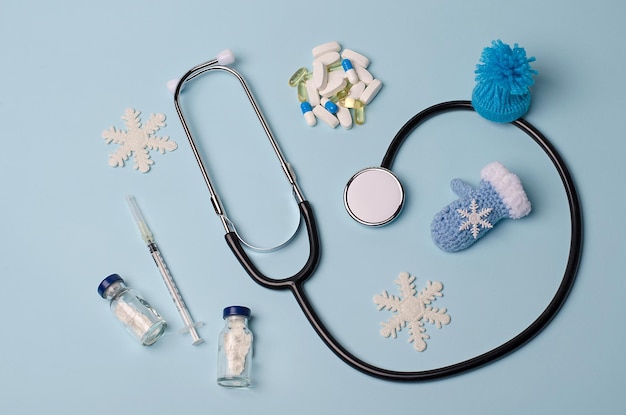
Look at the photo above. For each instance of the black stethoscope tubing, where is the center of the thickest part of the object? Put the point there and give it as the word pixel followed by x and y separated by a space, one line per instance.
pixel 571 268
pixel 516 342
pixel 295 282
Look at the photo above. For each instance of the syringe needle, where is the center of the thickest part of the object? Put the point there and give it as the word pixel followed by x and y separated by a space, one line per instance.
pixel 146 234
pixel 148 238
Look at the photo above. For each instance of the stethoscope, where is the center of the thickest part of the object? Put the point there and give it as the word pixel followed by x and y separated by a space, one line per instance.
pixel 295 282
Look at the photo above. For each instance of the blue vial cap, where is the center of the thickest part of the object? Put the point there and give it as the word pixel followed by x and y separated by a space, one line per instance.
pixel 236 310
pixel 107 282
pixel 346 64
pixel 305 107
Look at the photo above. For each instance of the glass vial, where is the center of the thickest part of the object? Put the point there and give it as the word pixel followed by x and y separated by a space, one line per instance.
pixel 234 353
pixel 138 317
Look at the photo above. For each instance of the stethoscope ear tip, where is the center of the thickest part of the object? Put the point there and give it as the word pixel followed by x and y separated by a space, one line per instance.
pixel 225 57
pixel 172 84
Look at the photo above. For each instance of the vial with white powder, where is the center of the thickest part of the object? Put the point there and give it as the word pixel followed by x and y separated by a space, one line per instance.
pixel 234 354
pixel 139 318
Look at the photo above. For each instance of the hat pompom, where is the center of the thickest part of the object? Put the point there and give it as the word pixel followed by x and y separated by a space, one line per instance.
pixel 503 77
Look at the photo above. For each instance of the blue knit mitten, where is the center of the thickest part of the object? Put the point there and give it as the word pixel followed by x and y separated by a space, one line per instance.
pixel 500 195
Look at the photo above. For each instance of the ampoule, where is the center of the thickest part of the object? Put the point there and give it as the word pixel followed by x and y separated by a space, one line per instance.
pixel 139 318
pixel 234 353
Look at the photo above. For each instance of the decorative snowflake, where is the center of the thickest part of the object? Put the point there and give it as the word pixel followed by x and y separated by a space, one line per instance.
pixel 138 140
pixel 412 310
pixel 474 219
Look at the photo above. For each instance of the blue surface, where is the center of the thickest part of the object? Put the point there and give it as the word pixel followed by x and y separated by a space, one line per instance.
pixel 70 69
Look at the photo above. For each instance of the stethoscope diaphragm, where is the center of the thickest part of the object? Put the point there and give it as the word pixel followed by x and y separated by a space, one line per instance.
pixel 374 196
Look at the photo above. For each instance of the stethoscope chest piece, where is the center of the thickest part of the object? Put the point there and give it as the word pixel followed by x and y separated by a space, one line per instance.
pixel 374 196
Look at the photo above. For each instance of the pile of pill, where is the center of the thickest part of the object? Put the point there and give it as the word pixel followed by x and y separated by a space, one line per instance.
pixel 338 86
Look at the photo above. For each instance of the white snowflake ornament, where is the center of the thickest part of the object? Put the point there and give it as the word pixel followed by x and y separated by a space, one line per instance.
pixel 138 140
pixel 412 310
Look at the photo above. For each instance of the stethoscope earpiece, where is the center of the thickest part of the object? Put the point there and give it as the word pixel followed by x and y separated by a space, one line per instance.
pixel 374 196
pixel 225 57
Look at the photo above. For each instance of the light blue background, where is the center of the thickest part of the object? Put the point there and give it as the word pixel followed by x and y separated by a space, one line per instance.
pixel 70 69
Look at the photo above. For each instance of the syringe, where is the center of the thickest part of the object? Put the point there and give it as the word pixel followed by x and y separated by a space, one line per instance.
pixel 148 238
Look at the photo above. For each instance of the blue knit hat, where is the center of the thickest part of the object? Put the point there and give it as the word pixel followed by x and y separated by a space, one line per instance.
pixel 503 79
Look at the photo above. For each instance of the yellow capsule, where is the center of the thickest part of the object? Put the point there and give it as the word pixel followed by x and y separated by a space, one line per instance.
pixel 348 102
pixel 335 66
pixel 302 92
pixel 359 115
pixel 343 93
pixel 299 76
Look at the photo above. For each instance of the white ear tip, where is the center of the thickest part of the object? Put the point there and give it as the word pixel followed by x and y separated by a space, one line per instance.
pixel 172 84
pixel 225 57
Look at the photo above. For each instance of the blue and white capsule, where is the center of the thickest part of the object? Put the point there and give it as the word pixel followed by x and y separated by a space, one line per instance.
pixel 307 111
pixel 353 78
pixel 329 105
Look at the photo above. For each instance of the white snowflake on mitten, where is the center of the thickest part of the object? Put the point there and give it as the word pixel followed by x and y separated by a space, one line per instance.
pixel 411 310
pixel 474 218
pixel 138 139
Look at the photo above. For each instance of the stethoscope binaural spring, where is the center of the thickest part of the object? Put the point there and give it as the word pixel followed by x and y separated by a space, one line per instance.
pixel 295 282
